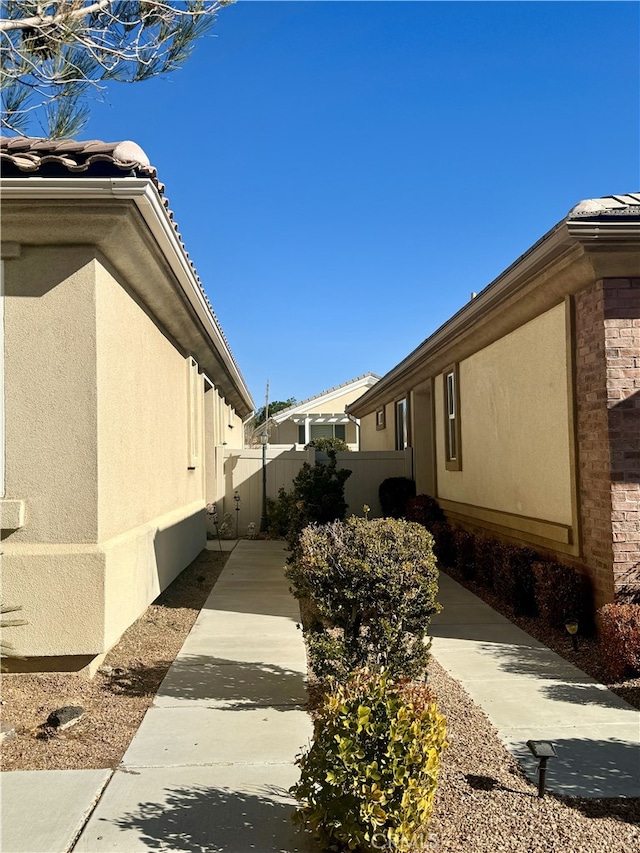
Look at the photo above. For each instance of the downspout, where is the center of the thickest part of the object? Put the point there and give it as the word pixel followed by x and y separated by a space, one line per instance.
pixel 356 421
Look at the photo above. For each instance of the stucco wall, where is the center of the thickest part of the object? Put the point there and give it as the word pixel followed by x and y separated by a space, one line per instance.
pixel 372 438
pixel 142 416
pixel 50 393
pixel 515 436
pixel 97 449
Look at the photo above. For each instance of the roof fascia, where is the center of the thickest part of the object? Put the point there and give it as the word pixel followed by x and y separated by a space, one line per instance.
pixel 143 193
pixel 597 248
pixel 547 250
pixel 302 408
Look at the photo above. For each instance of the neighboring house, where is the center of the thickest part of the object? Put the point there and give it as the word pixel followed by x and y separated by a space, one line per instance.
pixel 523 410
pixel 119 391
pixel 322 416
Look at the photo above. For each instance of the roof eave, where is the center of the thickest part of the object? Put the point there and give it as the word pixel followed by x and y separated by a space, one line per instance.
pixel 592 240
pixel 144 194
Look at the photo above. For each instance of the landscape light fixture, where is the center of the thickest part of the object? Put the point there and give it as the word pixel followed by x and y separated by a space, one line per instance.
pixel 264 439
pixel 571 625
pixel 542 750
pixel 236 497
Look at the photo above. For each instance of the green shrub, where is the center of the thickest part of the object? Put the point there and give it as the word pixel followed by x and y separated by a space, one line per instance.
pixel 425 510
pixel 317 497
pixel 369 777
pixel 562 592
pixel 443 544
pixel 465 553
pixel 330 446
pixel 487 552
pixel 373 585
pixel 619 630
pixel 394 494
pixel 279 513
pixel 514 580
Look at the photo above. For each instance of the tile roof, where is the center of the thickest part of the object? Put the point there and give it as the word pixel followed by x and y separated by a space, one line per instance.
pixel 610 205
pixel 373 376
pixel 91 158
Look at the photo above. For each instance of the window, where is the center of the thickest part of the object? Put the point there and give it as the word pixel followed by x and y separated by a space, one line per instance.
pixel 328 431
pixel 452 419
pixel 401 425
pixel 380 419
pixel 194 413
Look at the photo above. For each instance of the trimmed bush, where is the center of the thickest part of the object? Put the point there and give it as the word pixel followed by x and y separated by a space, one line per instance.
pixel 373 585
pixel 514 580
pixel 317 497
pixel 394 494
pixel 465 553
pixel 563 592
pixel 369 777
pixel 443 544
pixel 329 445
pixel 425 510
pixel 487 552
pixel 619 630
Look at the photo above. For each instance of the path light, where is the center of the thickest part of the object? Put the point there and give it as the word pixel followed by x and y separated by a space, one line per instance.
pixel 571 625
pixel 264 438
pixel 542 750
pixel 236 497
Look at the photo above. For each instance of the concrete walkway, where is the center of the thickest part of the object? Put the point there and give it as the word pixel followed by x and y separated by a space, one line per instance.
pixel 530 693
pixel 211 764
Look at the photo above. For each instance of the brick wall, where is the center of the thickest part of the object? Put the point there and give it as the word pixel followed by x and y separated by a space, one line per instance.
pixel 622 336
pixel 608 431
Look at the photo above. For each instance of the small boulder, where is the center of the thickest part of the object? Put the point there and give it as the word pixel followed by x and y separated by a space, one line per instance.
pixel 63 718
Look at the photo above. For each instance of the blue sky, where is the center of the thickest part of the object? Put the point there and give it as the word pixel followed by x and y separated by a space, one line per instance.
pixel 345 174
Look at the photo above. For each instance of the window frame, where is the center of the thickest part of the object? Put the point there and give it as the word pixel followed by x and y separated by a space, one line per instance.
pixel 194 415
pixel 402 423
pixel 451 411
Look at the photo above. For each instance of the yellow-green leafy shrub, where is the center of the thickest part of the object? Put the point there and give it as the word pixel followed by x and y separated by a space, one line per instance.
pixel 368 779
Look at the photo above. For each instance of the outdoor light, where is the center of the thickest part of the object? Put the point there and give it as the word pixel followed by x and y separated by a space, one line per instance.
pixel 264 438
pixel 542 750
pixel 236 497
pixel 572 629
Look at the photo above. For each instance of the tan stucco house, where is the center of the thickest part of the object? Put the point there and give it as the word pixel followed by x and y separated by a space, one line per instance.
pixel 119 390
pixel 321 416
pixel 523 409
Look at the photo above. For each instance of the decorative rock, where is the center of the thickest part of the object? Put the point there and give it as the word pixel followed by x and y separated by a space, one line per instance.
pixel 65 717
pixel 6 732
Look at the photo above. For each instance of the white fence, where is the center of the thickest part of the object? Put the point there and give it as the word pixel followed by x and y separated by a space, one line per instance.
pixel 242 474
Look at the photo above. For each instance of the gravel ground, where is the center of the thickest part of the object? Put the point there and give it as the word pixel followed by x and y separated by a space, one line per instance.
pixel 483 804
pixel 117 698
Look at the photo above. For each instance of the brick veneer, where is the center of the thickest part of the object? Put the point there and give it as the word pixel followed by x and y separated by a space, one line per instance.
pixel 608 432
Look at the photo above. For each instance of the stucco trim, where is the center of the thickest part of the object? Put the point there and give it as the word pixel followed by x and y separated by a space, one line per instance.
pixel 12 514
pixel 540 531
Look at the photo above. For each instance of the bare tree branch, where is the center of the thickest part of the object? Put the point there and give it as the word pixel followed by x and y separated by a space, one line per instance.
pixel 48 20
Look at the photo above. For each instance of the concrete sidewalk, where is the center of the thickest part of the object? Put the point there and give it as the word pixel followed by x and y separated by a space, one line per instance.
pixel 210 767
pixel 211 764
pixel 530 693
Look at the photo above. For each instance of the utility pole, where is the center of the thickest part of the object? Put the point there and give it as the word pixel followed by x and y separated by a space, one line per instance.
pixel 264 438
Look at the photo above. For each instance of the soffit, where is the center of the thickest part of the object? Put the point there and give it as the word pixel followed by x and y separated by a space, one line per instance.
pixel 90 163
